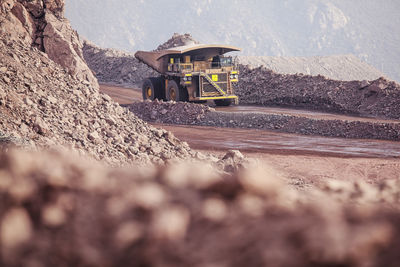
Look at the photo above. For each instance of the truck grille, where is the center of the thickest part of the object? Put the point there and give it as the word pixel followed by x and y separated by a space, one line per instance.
pixel 208 88
pixel 221 79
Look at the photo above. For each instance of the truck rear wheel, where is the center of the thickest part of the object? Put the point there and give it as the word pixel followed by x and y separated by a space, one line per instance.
pixel 176 92
pixel 223 102
pixel 152 88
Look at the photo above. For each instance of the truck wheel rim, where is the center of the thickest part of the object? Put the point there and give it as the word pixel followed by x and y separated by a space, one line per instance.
pixel 173 95
pixel 148 92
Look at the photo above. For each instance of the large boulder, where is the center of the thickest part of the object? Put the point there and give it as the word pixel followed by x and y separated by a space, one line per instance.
pixel 62 45
pixel 41 24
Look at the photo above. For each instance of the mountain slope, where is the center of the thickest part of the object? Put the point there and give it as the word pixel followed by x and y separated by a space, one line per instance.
pixel 367 29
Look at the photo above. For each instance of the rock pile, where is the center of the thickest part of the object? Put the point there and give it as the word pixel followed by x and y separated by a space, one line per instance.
pixel 195 114
pixel 260 86
pixel 41 24
pixel 170 112
pixel 304 125
pixel 76 213
pixel 42 103
pixel 178 40
pixel 114 66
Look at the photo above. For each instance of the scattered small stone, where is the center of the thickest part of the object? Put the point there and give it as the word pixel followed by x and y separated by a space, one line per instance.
pixel 6 80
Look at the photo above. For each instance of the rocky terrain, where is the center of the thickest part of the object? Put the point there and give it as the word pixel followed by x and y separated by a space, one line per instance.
pixel 261 86
pixel 41 24
pixel 44 104
pixel 202 115
pixel 79 213
pixel 177 40
pixel 69 207
pixel 170 112
pixel 113 66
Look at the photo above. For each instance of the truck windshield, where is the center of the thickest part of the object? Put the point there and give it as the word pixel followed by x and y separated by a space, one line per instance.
pixel 226 61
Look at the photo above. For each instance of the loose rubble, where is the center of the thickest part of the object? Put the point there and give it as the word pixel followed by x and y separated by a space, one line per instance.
pixel 79 213
pixel 114 66
pixel 170 112
pixel 184 113
pixel 260 86
pixel 177 40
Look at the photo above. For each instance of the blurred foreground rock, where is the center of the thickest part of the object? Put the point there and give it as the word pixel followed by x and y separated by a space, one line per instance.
pixel 57 210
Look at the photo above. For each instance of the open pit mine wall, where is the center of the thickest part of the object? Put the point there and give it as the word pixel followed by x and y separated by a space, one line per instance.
pixel 41 24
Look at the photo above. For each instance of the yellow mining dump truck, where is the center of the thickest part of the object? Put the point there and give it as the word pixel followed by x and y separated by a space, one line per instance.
pixel 195 72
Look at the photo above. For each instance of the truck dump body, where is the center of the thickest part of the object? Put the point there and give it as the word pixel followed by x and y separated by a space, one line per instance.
pixel 158 60
pixel 196 72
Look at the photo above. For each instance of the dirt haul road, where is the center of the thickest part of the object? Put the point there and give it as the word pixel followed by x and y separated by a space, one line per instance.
pixel 262 141
pixel 305 160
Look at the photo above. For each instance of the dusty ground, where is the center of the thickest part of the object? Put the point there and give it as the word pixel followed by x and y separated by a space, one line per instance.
pixel 122 95
pixel 305 160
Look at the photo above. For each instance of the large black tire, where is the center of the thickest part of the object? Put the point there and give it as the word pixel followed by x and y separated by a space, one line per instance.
pixel 153 88
pixel 223 102
pixel 175 92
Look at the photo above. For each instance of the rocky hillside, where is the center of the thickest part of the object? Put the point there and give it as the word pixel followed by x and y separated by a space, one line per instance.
pixel 50 98
pixel 114 66
pixel 41 24
pixel 367 29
